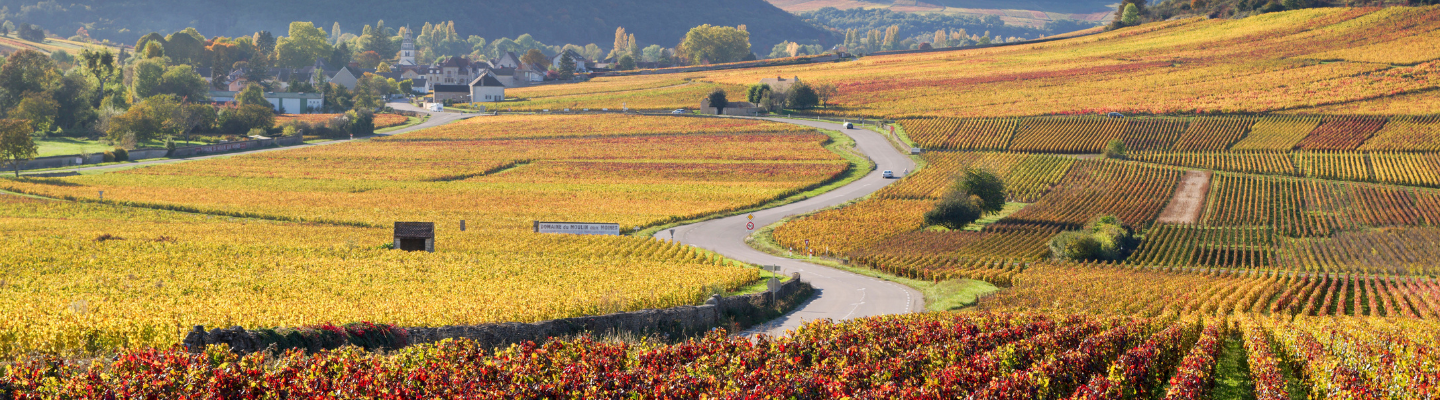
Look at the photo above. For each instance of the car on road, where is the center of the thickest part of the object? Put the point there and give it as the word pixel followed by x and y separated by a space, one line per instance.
pixel 888 174
pixel 849 125
pixel 678 111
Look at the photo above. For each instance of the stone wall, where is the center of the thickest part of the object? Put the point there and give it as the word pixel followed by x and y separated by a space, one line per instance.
pixel 190 151
pixel 62 161
pixel 142 154
pixel 682 321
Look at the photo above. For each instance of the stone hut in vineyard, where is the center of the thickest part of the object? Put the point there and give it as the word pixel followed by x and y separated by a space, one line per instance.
pixel 415 236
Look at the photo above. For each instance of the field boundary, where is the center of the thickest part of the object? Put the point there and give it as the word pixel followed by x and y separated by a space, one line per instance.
pixel 674 323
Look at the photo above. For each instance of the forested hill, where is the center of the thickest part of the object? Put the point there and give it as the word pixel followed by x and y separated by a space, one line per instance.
pixel 661 22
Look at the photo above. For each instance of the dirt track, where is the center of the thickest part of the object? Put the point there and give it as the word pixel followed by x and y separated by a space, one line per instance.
pixel 1189 199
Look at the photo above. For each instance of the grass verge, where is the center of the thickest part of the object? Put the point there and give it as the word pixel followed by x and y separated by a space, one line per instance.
pixel 939 296
pixel 409 122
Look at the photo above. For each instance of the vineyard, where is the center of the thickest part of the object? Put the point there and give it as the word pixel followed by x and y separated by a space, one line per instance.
pixel 663 178
pixel 1181 135
pixel 296 237
pixel 1308 61
pixel 941 355
pixel 1304 141
pixel 381 120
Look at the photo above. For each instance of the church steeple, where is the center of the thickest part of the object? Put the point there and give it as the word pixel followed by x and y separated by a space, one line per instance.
pixel 407 49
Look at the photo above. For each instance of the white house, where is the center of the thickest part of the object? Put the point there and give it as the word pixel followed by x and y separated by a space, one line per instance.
pixel 486 88
pixel 285 102
pixel 509 60
pixel 580 61
pixel 454 71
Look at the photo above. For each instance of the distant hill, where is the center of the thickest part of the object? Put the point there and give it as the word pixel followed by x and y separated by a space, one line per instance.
pixel 1031 13
pixel 662 22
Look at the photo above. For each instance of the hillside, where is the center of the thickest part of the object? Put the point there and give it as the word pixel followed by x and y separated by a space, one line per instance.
pixel 1034 14
pixel 661 22
pixel 1058 6
pixel 1285 61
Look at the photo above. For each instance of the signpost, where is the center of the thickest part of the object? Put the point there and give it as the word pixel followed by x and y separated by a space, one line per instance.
pixel 750 225
pixel 579 228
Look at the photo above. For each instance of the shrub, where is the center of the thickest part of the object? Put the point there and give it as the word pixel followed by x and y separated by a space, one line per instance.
pixel 109 156
pixel 121 155
pixel 1115 149
pixel 1104 238
pixel 801 95
pixel 957 210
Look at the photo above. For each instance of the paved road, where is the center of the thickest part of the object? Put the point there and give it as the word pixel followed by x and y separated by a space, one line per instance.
pixel 436 119
pixel 839 295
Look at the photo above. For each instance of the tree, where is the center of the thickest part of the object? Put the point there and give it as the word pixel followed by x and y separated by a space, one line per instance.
pixel 377 40
pixel 183 48
pixel 825 91
pixel 1131 16
pixel 252 95
pixel 198 117
pixel 368 59
pixel 985 187
pixel 567 66
pixel 305 44
pixel 25 71
pixel 340 56
pixel 1103 238
pixel 149 74
pixel 149 119
pixel 535 58
pixel 32 33
pixel 16 145
pixel 264 42
pixel 653 53
pixel 716 44
pixel 622 43
pixel 382 67
pixel 149 37
pixel 1115 149
pixel 757 92
pixel 39 109
pixel 801 95
pixel 627 62
pixel 153 50
pixel 718 100
pixel 955 211
pixel 248 117
pixel 183 82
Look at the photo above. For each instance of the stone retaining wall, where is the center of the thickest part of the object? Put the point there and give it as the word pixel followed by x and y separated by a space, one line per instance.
pixel 679 321
pixel 142 154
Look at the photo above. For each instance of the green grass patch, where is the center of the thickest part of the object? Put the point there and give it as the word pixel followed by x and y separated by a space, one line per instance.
pixel 409 122
pixel 1232 373
pixel 939 296
pixel 64 146
pixel 760 285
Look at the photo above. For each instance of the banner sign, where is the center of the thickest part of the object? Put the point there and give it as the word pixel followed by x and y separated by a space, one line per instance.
pixel 577 228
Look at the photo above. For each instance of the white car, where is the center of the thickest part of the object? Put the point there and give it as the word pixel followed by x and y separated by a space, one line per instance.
pixel 678 111
pixel 887 174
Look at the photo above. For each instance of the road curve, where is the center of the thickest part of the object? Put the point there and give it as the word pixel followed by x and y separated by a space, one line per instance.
pixel 436 119
pixel 839 295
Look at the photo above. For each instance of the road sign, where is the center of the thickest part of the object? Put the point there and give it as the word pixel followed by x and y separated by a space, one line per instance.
pixel 750 226
pixel 751 217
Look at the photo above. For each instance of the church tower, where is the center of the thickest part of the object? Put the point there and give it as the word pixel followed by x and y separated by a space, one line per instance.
pixel 407 49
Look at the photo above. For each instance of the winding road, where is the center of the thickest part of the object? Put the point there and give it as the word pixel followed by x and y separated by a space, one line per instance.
pixel 839 294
